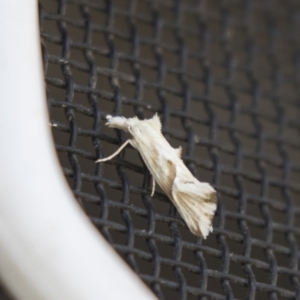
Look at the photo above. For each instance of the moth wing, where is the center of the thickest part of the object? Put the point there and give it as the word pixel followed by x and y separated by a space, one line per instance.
pixel 196 202
pixel 178 152
pixel 154 122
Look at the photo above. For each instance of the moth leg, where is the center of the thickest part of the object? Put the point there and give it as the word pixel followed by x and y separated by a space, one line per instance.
pixel 114 154
pixel 153 186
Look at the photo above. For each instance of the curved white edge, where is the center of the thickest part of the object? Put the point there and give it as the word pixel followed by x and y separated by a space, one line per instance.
pixel 48 247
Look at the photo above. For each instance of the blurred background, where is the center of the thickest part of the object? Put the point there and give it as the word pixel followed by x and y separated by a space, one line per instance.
pixel 224 76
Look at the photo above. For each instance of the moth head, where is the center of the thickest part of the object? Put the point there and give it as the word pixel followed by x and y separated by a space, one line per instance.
pixel 135 126
pixel 121 123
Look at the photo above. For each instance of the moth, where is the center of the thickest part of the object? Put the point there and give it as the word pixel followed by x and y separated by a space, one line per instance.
pixel 194 200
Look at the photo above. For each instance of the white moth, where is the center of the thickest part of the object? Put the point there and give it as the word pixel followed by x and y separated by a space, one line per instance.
pixel 195 200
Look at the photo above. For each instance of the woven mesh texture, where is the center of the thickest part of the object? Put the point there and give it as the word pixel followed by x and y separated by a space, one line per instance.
pixel 224 77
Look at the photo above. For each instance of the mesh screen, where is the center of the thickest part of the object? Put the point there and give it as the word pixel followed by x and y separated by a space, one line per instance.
pixel 224 77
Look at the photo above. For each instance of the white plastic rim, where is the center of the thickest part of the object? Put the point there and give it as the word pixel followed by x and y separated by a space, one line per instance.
pixel 48 247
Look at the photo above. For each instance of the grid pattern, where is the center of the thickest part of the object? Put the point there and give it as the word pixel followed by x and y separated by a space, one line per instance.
pixel 224 77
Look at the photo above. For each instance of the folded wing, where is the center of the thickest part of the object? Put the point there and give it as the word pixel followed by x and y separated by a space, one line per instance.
pixel 196 202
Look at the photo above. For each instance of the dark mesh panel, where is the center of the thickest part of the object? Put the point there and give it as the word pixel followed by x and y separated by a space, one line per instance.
pixel 224 78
